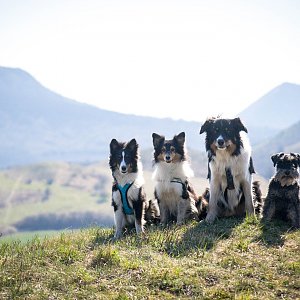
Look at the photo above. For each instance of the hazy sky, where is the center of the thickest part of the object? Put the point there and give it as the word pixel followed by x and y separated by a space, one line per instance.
pixel 180 59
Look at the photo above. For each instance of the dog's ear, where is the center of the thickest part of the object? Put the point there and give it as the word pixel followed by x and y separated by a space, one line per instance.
pixel 180 138
pixel 114 145
pixel 237 123
pixel 132 145
pixel 275 157
pixel 205 125
pixel 157 139
pixel 297 158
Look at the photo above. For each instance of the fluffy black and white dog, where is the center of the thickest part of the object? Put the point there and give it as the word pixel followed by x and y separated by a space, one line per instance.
pixel 283 197
pixel 230 168
pixel 128 196
pixel 173 190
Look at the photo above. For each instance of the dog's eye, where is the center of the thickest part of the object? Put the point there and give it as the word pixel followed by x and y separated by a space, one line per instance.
pixel 216 130
pixel 163 149
pixel 172 149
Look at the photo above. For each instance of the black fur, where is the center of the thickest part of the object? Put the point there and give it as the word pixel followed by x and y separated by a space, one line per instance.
pixel 131 154
pixel 139 205
pixel 283 197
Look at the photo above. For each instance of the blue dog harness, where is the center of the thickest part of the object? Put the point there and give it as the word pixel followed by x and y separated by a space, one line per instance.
pixel 123 192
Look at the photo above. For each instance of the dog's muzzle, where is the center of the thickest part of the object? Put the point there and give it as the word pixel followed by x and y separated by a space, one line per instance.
pixel 123 169
pixel 168 158
pixel 221 143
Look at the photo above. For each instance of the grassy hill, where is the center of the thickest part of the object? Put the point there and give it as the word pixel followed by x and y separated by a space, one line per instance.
pixel 231 259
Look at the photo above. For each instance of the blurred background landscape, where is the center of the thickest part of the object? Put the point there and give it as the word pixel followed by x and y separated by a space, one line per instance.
pixel 54 151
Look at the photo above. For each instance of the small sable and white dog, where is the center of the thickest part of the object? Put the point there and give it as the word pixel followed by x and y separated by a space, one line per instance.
pixel 173 191
pixel 128 196
pixel 230 168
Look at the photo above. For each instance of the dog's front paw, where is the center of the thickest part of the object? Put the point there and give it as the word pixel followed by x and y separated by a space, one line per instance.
pixel 210 218
pixel 117 236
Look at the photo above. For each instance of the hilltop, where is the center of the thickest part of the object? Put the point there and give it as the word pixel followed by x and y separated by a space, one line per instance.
pixel 231 259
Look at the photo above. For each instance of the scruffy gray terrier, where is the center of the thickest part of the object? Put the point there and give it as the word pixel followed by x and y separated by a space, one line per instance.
pixel 283 198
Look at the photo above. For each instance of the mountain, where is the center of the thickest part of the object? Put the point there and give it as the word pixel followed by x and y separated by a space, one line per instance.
pixel 287 140
pixel 278 109
pixel 37 125
pixel 273 112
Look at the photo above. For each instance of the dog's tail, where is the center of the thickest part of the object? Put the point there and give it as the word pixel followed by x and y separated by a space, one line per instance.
pixel 257 198
pixel 202 204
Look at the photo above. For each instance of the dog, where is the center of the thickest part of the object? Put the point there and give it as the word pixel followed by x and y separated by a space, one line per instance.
pixel 128 195
pixel 173 190
pixel 283 197
pixel 230 168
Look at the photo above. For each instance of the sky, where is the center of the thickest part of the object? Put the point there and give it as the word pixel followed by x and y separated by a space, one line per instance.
pixel 188 59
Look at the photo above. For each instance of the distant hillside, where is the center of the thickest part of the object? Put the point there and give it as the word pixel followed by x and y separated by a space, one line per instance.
pixel 287 140
pixel 37 125
pixel 54 196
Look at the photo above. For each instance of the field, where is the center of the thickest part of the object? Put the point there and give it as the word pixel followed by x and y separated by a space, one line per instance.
pixel 56 196
pixel 231 259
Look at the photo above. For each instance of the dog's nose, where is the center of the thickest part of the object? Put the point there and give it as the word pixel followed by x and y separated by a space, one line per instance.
pixel 168 157
pixel 220 142
pixel 287 172
pixel 123 168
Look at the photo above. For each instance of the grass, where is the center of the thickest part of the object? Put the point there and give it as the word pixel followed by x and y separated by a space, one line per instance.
pixel 231 259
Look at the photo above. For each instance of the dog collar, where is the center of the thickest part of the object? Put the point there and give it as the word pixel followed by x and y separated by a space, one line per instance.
pixel 177 180
pixel 123 192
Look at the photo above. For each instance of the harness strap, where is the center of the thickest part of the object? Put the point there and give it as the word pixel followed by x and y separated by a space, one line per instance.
pixel 123 192
pixel 185 194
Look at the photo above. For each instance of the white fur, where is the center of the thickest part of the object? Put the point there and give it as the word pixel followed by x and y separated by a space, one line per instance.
pixel 239 165
pixel 169 193
pixel 121 219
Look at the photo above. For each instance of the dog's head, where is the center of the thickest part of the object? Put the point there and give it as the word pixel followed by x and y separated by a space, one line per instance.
pixel 223 135
pixel 123 156
pixel 287 168
pixel 169 150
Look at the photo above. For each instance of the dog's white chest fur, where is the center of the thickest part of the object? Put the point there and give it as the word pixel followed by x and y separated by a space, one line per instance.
pixel 238 164
pixel 167 191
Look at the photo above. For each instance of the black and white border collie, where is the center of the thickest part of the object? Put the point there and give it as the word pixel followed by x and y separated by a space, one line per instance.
pixel 128 195
pixel 173 191
pixel 230 168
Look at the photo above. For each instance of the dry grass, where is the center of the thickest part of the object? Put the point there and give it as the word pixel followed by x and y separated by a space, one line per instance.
pixel 231 259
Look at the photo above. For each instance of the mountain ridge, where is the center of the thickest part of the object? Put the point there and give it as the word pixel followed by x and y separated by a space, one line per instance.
pixel 59 128
pixel 271 109
pixel 38 125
